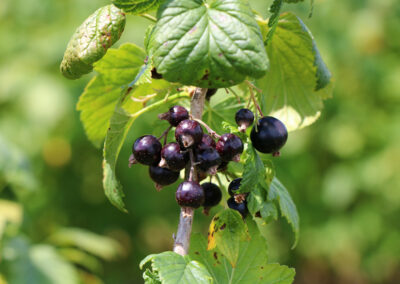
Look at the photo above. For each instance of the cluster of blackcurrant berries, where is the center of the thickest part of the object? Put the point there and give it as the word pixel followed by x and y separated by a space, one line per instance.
pixel 201 155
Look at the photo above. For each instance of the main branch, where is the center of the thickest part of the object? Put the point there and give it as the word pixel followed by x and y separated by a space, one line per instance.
pixel 182 238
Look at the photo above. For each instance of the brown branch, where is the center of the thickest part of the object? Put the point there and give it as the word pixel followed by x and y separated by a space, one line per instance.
pixel 182 238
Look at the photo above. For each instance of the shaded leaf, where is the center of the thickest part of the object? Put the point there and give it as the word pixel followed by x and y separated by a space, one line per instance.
pixel 288 209
pixel 298 80
pixel 91 40
pixel 97 103
pixel 137 6
pixel 173 268
pixel 253 172
pixel 218 43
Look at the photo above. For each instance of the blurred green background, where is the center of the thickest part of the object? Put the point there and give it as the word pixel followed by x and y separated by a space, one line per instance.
pixel 343 171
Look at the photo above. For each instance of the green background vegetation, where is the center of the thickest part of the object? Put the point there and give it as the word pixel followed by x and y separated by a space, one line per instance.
pixel 343 171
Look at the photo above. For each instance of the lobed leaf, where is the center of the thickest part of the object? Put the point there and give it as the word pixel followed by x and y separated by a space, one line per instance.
pixel 97 103
pixel 217 44
pixel 298 79
pixel 91 40
pixel 254 170
pixel 172 268
pixel 137 6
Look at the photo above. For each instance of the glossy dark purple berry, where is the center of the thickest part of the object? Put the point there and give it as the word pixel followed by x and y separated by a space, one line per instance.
pixel 244 118
pixel 241 207
pixel 175 115
pixel 162 176
pixel 173 158
pixel 210 93
pixel 147 150
pixel 190 194
pixel 223 167
pixel 155 74
pixel 229 147
pixel 212 194
pixel 188 133
pixel 206 142
pixel 208 160
pixel 269 135
pixel 234 186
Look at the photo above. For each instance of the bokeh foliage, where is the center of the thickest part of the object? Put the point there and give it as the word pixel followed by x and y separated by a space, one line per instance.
pixel 342 171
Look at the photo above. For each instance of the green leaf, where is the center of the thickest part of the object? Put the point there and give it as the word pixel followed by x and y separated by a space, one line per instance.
pixel 100 246
pixel 227 230
pixel 278 192
pixel 293 1
pixel 125 113
pixel 151 278
pixel 97 103
pixel 91 40
pixel 254 170
pixel 275 9
pixel 173 268
pixel 137 6
pixel 252 265
pixel 218 43
pixel 298 80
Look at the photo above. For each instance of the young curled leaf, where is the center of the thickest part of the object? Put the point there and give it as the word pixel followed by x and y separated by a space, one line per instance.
pixel 91 41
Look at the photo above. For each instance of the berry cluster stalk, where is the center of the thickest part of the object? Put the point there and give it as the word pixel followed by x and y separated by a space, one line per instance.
pixel 182 238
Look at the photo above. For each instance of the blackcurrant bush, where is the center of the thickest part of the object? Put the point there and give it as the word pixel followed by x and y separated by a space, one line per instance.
pixel 212 194
pixel 269 135
pixel 155 74
pixel 241 207
pixel 162 176
pixel 173 158
pixel 229 147
pixel 206 142
pixel 210 93
pixel 188 133
pixel 208 160
pixel 147 150
pixel 244 118
pixel 234 186
pixel 190 194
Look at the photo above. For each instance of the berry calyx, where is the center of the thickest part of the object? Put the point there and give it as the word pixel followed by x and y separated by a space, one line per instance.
pixel 175 115
pixel 234 186
pixel 240 207
pixel 188 133
pixel 244 118
pixel 173 158
pixel 147 150
pixel 229 147
pixel 206 142
pixel 212 194
pixel 190 194
pixel 210 93
pixel 269 135
pixel 208 160
pixel 162 176
pixel 155 74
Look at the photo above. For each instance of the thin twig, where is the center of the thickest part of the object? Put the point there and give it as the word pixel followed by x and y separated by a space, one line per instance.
pixel 209 130
pixel 149 17
pixel 251 86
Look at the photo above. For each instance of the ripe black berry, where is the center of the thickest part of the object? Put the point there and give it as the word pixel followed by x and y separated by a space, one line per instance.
pixel 241 207
pixel 206 142
pixel 190 194
pixel 173 158
pixel 212 194
pixel 208 160
pixel 234 186
pixel 210 93
pixel 162 176
pixel 155 74
pixel 188 133
pixel 270 136
pixel 244 118
pixel 147 150
pixel 175 115
pixel 229 147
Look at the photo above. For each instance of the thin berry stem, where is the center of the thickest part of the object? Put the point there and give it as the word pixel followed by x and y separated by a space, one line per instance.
pixel 208 128
pixel 165 134
pixel 182 238
pixel 251 87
